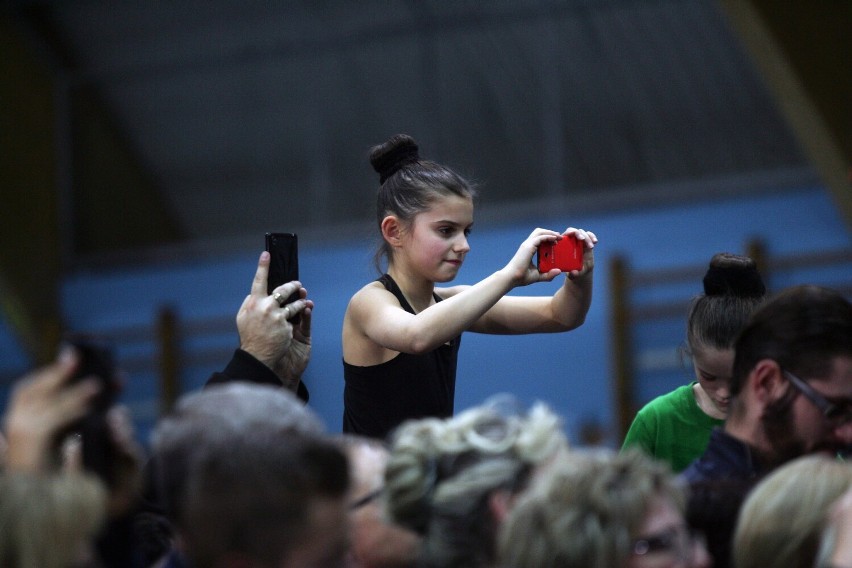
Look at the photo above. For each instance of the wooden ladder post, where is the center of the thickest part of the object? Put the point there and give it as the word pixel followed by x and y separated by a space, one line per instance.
pixel 621 342
pixel 167 337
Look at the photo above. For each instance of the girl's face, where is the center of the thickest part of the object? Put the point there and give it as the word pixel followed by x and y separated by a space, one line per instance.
pixel 713 369
pixel 436 243
pixel 664 541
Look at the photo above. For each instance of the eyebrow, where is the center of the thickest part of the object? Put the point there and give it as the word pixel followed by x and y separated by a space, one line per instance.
pixel 450 222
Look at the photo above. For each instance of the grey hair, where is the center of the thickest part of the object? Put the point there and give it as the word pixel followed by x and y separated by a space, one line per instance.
pixel 240 466
pixel 211 416
pixel 441 473
pixel 585 510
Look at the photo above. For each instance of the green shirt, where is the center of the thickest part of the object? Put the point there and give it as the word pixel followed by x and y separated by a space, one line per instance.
pixel 672 428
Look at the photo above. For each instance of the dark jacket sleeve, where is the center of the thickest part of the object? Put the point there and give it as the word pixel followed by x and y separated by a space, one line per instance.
pixel 245 367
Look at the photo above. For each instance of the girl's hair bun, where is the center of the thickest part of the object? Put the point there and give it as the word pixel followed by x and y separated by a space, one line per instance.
pixel 400 150
pixel 733 275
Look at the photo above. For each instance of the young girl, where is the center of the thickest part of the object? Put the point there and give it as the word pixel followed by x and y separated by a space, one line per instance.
pixel 676 427
pixel 401 334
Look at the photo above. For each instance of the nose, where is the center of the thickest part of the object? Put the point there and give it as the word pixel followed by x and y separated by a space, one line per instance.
pixel 462 246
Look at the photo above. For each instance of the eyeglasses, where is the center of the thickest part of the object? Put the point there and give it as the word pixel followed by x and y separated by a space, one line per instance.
pixel 677 540
pixel 837 414
pixel 366 499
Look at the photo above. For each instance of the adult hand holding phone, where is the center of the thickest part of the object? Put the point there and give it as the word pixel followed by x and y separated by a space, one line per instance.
pixel 264 329
pixel 283 249
pixel 43 404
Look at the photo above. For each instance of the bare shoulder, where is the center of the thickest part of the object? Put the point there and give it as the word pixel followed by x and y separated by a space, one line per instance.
pixel 370 297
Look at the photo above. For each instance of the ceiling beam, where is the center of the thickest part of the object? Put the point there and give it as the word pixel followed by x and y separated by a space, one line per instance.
pixel 802 51
pixel 29 231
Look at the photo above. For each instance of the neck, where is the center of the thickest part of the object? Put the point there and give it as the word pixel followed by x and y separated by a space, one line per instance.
pixel 416 290
pixel 747 429
pixel 705 403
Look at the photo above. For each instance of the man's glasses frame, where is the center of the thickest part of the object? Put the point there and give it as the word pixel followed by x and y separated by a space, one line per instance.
pixel 836 414
pixel 677 540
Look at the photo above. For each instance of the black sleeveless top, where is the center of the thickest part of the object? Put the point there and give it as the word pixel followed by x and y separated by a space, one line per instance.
pixel 378 398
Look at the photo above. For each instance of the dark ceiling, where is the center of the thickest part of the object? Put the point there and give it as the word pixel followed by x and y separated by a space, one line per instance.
pixel 243 116
pixel 199 125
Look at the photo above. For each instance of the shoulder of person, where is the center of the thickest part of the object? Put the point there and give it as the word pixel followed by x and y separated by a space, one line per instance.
pixel 370 295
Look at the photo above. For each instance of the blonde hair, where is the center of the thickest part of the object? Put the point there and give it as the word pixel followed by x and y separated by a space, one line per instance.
pixel 782 519
pixel 441 472
pixel 585 510
pixel 45 521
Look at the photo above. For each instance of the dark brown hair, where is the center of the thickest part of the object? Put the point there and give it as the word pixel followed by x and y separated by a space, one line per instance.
pixel 733 289
pixel 803 329
pixel 409 185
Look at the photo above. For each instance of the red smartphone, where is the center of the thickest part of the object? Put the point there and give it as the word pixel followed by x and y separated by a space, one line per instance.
pixel 566 254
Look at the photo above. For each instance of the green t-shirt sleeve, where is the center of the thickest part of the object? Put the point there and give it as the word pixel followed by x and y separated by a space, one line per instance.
pixel 642 432
pixel 672 428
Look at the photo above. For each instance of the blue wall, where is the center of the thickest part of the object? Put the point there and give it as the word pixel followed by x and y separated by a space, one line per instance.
pixel 571 371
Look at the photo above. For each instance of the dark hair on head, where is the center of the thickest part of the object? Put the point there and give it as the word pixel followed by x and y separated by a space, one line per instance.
pixel 409 185
pixel 803 329
pixel 238 500
pixel 733 289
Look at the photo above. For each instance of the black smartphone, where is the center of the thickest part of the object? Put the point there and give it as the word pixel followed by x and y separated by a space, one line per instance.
pixel 283 251
pixel 98 450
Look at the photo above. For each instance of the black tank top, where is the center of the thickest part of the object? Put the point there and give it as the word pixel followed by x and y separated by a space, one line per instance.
pixel 378 398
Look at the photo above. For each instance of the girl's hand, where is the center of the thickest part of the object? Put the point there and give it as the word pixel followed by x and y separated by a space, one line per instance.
pixel 589 240
pixel 521 268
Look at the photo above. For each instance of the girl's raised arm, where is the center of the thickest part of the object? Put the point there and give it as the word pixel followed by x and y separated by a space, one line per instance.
pixel 563 311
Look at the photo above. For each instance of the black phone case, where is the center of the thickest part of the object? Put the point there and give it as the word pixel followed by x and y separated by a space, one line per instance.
pixel 98 450
pixel 283 251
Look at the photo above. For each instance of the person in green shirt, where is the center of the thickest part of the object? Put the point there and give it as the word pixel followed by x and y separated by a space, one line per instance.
pixel 676 426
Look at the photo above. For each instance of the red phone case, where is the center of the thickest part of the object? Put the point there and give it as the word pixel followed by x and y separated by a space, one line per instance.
pixel 566 254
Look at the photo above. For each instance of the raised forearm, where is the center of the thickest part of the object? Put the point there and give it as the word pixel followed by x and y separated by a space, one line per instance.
pixel 571 302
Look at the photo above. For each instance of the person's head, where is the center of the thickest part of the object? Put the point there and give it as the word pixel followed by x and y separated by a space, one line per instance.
pixel 201 415
pixel 601 509
pixel 268 500
pixel 376 541
pixel 50 521
pixel 410 187
pixel 454 480
pixel 733 289
pixel 251 478
pixel 835 549
pixel 782 519
pixel 792 379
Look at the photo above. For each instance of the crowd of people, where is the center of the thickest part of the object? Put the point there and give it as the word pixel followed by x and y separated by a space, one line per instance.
pixel 743 467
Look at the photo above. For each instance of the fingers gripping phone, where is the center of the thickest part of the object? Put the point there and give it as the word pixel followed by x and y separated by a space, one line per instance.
pixel 98 450
pixel 566 254
pixel 283 264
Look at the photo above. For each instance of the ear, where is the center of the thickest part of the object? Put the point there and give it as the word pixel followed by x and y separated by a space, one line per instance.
pixel 500 503
pixel 392 230
pixel 767 381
